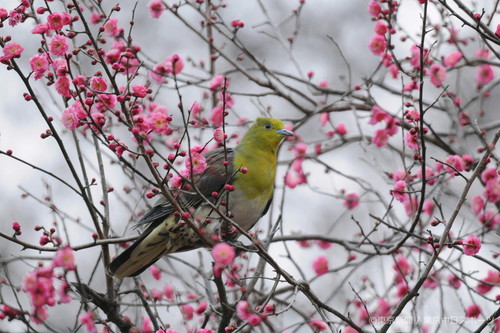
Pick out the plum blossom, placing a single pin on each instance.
(223, 254)
(411, 139)
(111, 27)
(485, 285)
(351, 200)
(471, 245)
(156, 8)
(452, 59)
(11, 50)
(473, 311)
(438, 75)
(320, 265)
(197, 162)
(374, 8)
(39, 64)
(216, 117)
(65, 258)
(484, 74)
(398, 191)
(98, 83)
(318, 325)
(87, 320)
(477, 204)
(377, 44)
(58, 45)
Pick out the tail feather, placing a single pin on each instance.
(157, 240)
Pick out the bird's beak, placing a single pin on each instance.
(285, 132)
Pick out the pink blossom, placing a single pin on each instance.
(492, 190)
(380, 137)
(219, 135)
(155, 272)
(410, 205)
(60, 66)
(489, 174)
(398, 191)
(156, 8)
(377, 44)
(399, 174)
(438, 75)
(351, 200)
(484, 74)
(454, 164)
(471, 245)
(197, 162)
(254, 319)
(14, 18)
(168, 291)
(70, 119)
(452, 59)
(12, 50)
(98, 83)
(3, 13)
(432, 281)
(187, 311)
(383, 308)
(381, 28)
(146, 326)
(39, 64)
(216, 117)
(62, 86)
(320, 265)
(159, 73)
(324, 118)
(377, 115)
(111, 27)
(394, 70)
(201, 307)
(324, 244)
(428, 207)
(175, 63)
(55, 21)
(477, 204)
(340, 129)
(62, 292)
(237, 24)
(223, 254)
(58, 45)
(40, 29)
(482, 53)
(65, 258)
(196, 109)
(473, 311)
(140, 90)
(87, 320)
(497, 32)
(293, 179)
(454, 281)
(410, 86)
(412, 115)
(430, 176)
(489, 219)
(323, 84)
(411, 140)
(243, 310)
(374, 8)
(485, 285)
(216, 82)
(318, 325)
(159, 122)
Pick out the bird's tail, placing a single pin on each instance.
(157, 240)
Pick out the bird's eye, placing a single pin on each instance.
(268, 126)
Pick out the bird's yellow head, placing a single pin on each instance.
(266, 132)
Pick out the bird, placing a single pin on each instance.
(249, 169)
